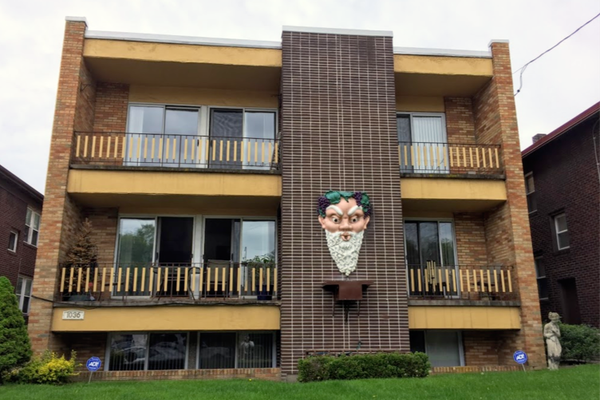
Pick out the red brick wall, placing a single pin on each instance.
(13, 210)
(566, 179)
(470, 239)
(61, 217)
(111, 107)
(481, 348)
(460, 126)
(507, 227)
(104, 223)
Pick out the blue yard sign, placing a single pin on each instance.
(520, 357)
(93, 364)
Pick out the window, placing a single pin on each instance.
(250, 134)
(147, 351)
(161, 135)
(23, 292)
(220, 350)
(542, 281)
(444, 348)
(13, 237)
(561, 231)
(423, 143)
(32, 227)
(530, 191)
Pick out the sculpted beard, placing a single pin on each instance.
(345, 253)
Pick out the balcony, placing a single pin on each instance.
(450, 159)
(216, 281)
(463, 282)
(152, 151)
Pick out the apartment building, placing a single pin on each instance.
(20, 208)
(200, 164)
(562, 182)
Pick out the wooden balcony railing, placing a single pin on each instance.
(213, 279)
(472, 282)
(176, 151)
(449, 158)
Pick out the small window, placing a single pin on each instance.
(32, 227)
(23, 292)
(13, 237)
(542, 281)
(561, 231)
(530, 191)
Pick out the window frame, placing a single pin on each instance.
(530, 193)
(30, 226)
(537, 261)
(555, 219)
(15, 241)
(21, 292)
(147, 349)
(412, 115)
(238, 334)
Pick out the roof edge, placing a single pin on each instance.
(173, 39)
(21, 183)
(419, 51)
(337, 31)
(581, 117)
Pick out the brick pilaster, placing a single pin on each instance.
(507, 227)
(61, 216)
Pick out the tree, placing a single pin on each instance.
(83, 253)
(15, 348)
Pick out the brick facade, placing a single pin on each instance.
(566, 180)
(507, 227)
(460, 125)
(15, 197)
(61, 217)
(471, 246)
(339, 133)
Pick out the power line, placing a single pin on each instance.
(524, 67)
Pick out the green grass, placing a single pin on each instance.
(581, 383)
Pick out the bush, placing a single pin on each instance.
(579, 342)
(15, 349)
(363, 366)
(48, 369)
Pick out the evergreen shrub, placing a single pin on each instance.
(363, 366)
(579, 342)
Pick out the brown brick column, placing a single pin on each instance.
(339, 133)
(61, 217)
(507, 227)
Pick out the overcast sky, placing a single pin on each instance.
(556, 87)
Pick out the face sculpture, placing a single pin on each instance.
(344, 216)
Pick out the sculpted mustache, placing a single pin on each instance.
(349, 233)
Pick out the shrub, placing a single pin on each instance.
(15, 348)
(363, 366)
(579, 342)
(49, 369)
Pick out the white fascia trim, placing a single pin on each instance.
(357, 32)
(442, 52)
(497, 41)
(145, 37)
(76, 19)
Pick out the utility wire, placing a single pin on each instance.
(524, 67)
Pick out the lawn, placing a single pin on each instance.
(579, 383)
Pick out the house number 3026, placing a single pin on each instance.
(73, 314)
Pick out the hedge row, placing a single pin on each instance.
(363, 366)
(580, 342)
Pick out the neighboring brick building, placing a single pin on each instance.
(20, 208)
(563, 187)
(199, 163)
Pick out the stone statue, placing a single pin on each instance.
(552, 336)
(344, 216)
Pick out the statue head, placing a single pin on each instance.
(344, 216)
(554, 317)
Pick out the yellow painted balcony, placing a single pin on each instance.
(448, 159)
(212, 280)
(175, 151)
(461, 282)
